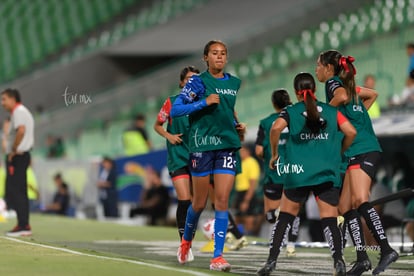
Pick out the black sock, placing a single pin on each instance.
(375, 226)
(333, 237)
(280, 234)
(232, 228)
(294, 232)
(181, 215)
(353, 222)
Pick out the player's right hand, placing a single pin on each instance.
(213, 99)
(175, 139)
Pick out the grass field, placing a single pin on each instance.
(64, 246)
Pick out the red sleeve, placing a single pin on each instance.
(341, 118)
(164, 113)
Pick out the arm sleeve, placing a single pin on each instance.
(260, 136)
(165, 110)
(180, 108)
(341, 118)
(331, 86)
(190, 98)
(285, 116)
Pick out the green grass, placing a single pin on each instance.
(154, 246)
(23, 259)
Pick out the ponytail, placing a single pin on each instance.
(312, 113)
(347, 76)
(304, 85)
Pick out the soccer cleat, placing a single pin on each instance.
(267, 269)
(385, 261)
(20, 231)
(230, 238)
(219, 264)
(290, 250)
(340, 269)
(238, 244)
(359, 267)
(190, 256)
(184, 251)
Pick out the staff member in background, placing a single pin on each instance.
(20, 140)
(108, 195)
(374, 111)
(245, 203)
(61, 199)
(135, 139)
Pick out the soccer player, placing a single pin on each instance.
(309, 164)
(273, 183)
(209, 99)
(176, 136)
(338, 71)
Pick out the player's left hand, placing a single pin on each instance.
(175, 138)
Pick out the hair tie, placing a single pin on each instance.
(343, 61)
(306, 92)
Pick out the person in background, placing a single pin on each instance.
(410, 54)
(176, 136)
(108, 194)
(135, 139)
(407, 95)
(374, 111)
(155, 199)
(245, 201)
(56, 147)
(19, 143)
(32, 189)
(61, 199)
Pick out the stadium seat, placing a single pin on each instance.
(52, 25)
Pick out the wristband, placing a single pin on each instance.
(358, 89)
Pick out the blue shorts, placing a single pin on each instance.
(213, 162)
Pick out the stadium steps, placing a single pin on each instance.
(276, 65)
(34, 29)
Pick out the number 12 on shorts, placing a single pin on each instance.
(229, 162)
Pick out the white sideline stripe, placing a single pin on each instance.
(107, 258)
